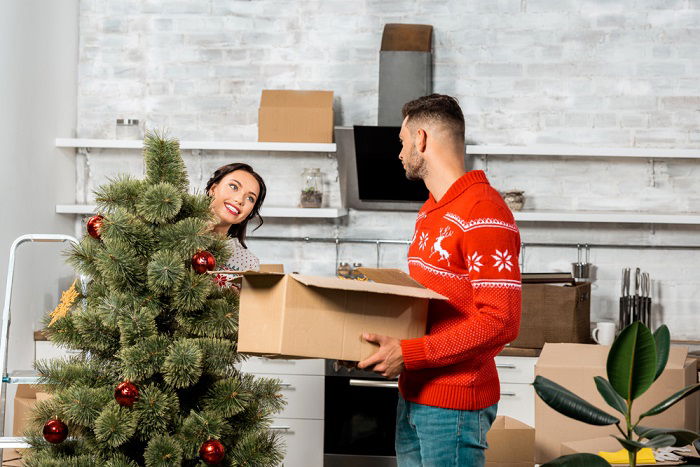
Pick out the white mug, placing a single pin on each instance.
(604, 333)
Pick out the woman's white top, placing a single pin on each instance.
(241, 259)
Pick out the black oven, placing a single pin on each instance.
(360, 418)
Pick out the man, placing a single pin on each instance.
(465, 247)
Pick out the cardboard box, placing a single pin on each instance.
(294, 315)
(607, 444)
(296, 116)
(574, 366)
(511, 444)
(26, 397)
(554, 313)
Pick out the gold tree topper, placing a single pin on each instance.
(68, 298)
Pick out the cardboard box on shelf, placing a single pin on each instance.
(294, 315)
(26, 397)
(574, 366)
(295, 116)
(607, 444)
(511, 444)
(554, 313)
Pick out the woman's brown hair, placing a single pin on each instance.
(239, 230)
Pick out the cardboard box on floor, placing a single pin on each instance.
(554, 313)
(511, 444)
(574, 366)
(295, 116)
(26, 397)
(607, 444)
(294, 315)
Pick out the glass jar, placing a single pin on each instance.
(311, 188)
(128, 128)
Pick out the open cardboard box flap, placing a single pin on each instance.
(285, 98)
(385, 281)
(590, 356)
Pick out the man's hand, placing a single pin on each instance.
(388, 360)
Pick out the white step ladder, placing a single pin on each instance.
(19, 377)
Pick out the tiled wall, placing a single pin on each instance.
(593, 73)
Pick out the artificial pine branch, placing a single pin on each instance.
(227, 397)
(123, 228)
(217, 319)
(137, 324)
(143, 359)
(163, 451)
(156, 410)
(196, 206)
(183, 364)
(186, 237)
(82, 257)
(165, 270)
(122, 191)
(198, 427)
(160, 203)
(163, 161)
(192, 291)
(82, 405)
(115, 425)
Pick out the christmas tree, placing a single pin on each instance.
(155, 382)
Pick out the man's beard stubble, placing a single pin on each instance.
(415, 166)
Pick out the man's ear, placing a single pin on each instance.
(421, 140)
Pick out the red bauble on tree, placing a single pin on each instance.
(126, 393)
(212, 451)
(55, 431)
(203, 261)
(94, 225)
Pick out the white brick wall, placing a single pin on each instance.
(594, 73)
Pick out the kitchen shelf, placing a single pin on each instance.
(581, 151)
(272, 212)
(198, 145)
(616, 217)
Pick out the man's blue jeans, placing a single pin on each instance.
(434, 437)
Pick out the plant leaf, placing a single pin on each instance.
(629, 444)
(613, 399)
(661, 441)
(631, 362)
(565, 402)
(683, 437)
(578, 460)
(665, 404)
(662, 338)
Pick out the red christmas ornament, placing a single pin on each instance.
(203, 261)
(212, 451)
(126, 393)
(94, 225)
(55, 431)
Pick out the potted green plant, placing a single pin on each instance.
(636, 359)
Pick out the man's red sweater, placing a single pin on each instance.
(466, 248)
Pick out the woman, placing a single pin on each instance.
(237, 193)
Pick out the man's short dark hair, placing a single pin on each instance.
(437, 108)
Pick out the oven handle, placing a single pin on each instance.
(281, 427)
(510, 366)
(374, 384)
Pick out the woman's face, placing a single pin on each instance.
(234, 197)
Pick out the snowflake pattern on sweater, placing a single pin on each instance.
(466, 248)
